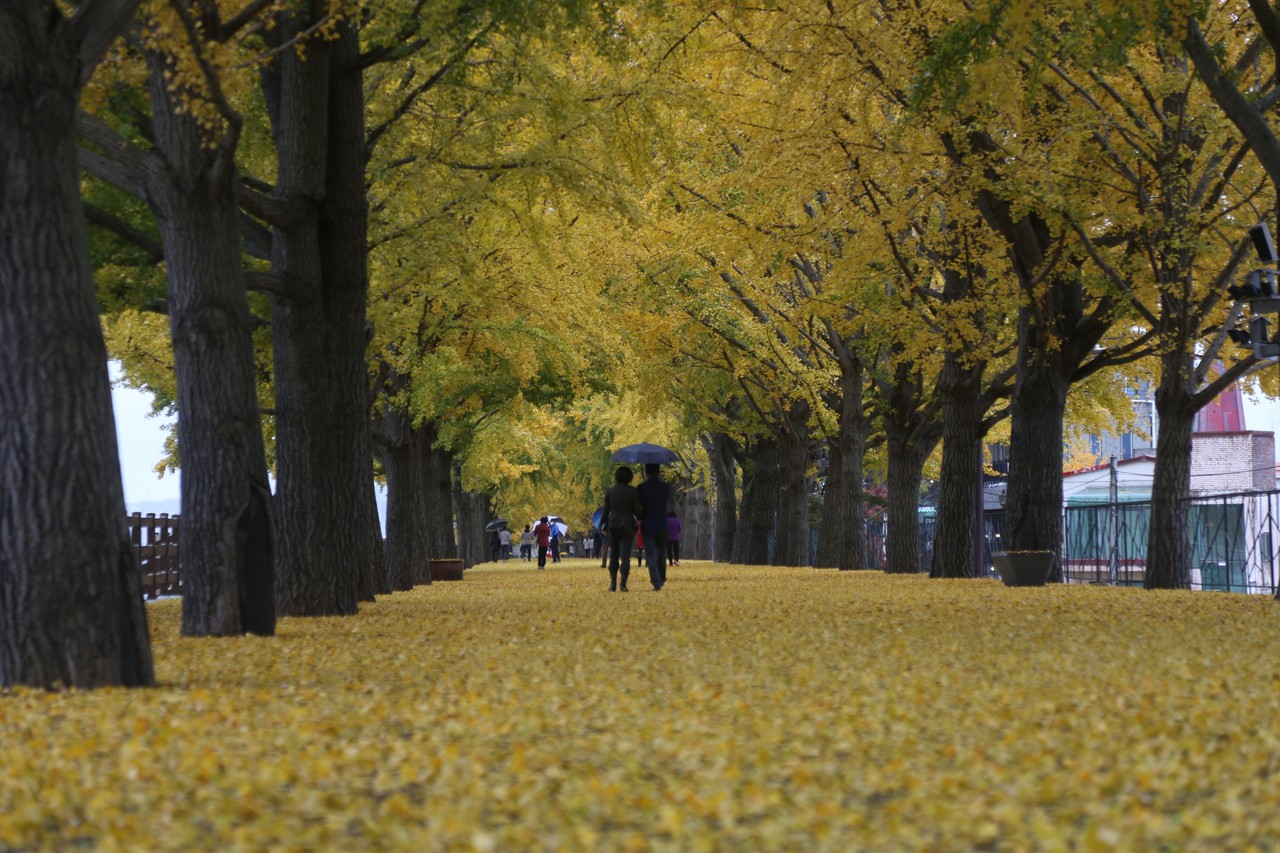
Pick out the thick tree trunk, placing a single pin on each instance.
(906, 471)
(697, 521)
(791, 543)
(228, 539)
(759, 503)
(318, 331)
(442, 541)
(408, 515)
(473, 513)
(344, 257)
(958, 516)
(1034, 504)
(71, 610)
(1168, 563)
(842, 541)
(724, 480)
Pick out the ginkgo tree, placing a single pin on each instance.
(71, 611)
(483, 315)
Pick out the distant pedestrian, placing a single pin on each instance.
(495, 546)
(504, 537)
(639, 548)
(673, 539)
(654, 497)
(621, 508)
(555, 542)
(526, 543)
(542, 535)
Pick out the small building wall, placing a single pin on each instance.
(1233, 462)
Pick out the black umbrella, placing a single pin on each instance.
(645, 454)
(496, 524)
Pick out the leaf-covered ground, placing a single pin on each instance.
(738, 709)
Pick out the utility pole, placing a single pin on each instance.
(1113, 522)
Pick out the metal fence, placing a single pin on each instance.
(1231, 541)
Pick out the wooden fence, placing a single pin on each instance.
(155, 541)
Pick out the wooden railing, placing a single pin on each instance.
(155, 540)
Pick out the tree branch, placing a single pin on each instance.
(96, 24)
(133, 236)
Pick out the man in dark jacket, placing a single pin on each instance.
(621, 509)
(654, 497)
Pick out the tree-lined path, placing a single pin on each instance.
(739, 708)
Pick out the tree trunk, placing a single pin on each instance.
(912, 428)
(228, 540)
(473, 513)
(697, 520)
(344, 256)
(842, 540)
(1034, 503)
(791, 544)
(958, 517)
(408, 515)
(906, 467)
(1168, 563)
(441, 539)
(759, 503)
(71, 610)
(724, 480)
(318, 332)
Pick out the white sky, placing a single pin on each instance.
(141, 442)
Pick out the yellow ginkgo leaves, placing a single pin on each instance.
(740, 708)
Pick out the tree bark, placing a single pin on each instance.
(842, 540)
(1034, 502)
(318, 330)
(71, 609)
(958, 517)
(1168, 562)
(697, 518)
(408, 515)
(344, 257)
(759, 503)
(724, 481)
(791, 542)
(473, 512)
(441, 539)
(228, 540)
(912, 429)
(906, 472)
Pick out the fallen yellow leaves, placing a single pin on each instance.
(740, 708)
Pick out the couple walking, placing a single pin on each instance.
(623, 504)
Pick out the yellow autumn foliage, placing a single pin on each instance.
(741, 708)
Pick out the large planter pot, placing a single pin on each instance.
(1023, 568)
(445, 570)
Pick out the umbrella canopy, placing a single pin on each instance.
(557, 523)
(496, 524)
(645, 454)
(597, 518)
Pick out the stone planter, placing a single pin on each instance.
(445, 570)
(1023, 568)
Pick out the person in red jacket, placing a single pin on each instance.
(542, 536)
